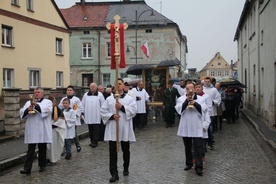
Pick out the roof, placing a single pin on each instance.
(86, 16)
(212, 60)
(98, 14)
(247, 6)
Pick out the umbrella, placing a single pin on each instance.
(137, 69)
(169, 62)
(230, 82)
(133, 82)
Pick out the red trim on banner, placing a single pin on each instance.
(122, 47)
(112, 46)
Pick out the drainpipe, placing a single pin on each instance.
(99, 57)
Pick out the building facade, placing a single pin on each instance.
(256, 42)
(217, 67)
(34, 45)
(90, 39)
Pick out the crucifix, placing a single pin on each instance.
(118, 28)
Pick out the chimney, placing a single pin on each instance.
(82, 1)
(126, 0)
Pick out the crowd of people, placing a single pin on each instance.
(201, 107)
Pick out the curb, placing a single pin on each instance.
(270, 143)
(20, 159)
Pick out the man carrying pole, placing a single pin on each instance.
(119, 109)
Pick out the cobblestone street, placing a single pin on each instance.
(158, 157)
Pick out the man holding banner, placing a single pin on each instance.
(127, 108)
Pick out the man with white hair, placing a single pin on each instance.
(92, 102)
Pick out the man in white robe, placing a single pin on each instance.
(216, 100)
(140, 120)
(127, 110)
(181, 87)
(38, 129)
(191, 126)
(92, 102)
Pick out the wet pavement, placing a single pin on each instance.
(158, 157)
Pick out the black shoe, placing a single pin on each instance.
(68, 157)
(25, 172)
(125, 173)
(114, 178)
(42, 169)
(199, 171)
(78, 148)
(188, 167)
(94, 145)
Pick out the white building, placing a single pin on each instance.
(256, 40)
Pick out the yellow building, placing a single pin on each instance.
(34, 45)
(217, 67)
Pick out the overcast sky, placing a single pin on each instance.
(209, 25)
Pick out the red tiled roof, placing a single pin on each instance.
(96, 15)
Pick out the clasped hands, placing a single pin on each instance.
(118, 106)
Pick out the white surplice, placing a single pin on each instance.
(191, 121)
(215, 99)
(108, 109)
(38, 127)
(181, 91)
(74, 101)
(54, 150)
(70, 118)
(91, 106)
(141, 104)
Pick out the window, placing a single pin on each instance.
(87, 79)
(34, 78)
(212, 74)
(8, 78)
(7, 39)
(108, 49)
(219, 73)
(148, 30)
(123, 75)
(59, 79)
(86, 51)
(86, 32)
(30, 5)
(59, 46)
(106, 79)
(219, 63)
(226, 73)
(15, 2)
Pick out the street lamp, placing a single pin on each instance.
(136, 27)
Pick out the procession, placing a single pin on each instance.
(116, 103)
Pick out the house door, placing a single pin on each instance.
(87, 79)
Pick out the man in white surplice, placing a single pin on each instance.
(38, 129)
(92, 102)
(190, 107)
(127, 109)
(142, 97)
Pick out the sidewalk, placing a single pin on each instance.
(267, 133)
(13, 151)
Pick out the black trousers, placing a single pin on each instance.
(197, 151)
(94, 133)
(169, 115)
(31, 154)
(113, 157)
(139, 121)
